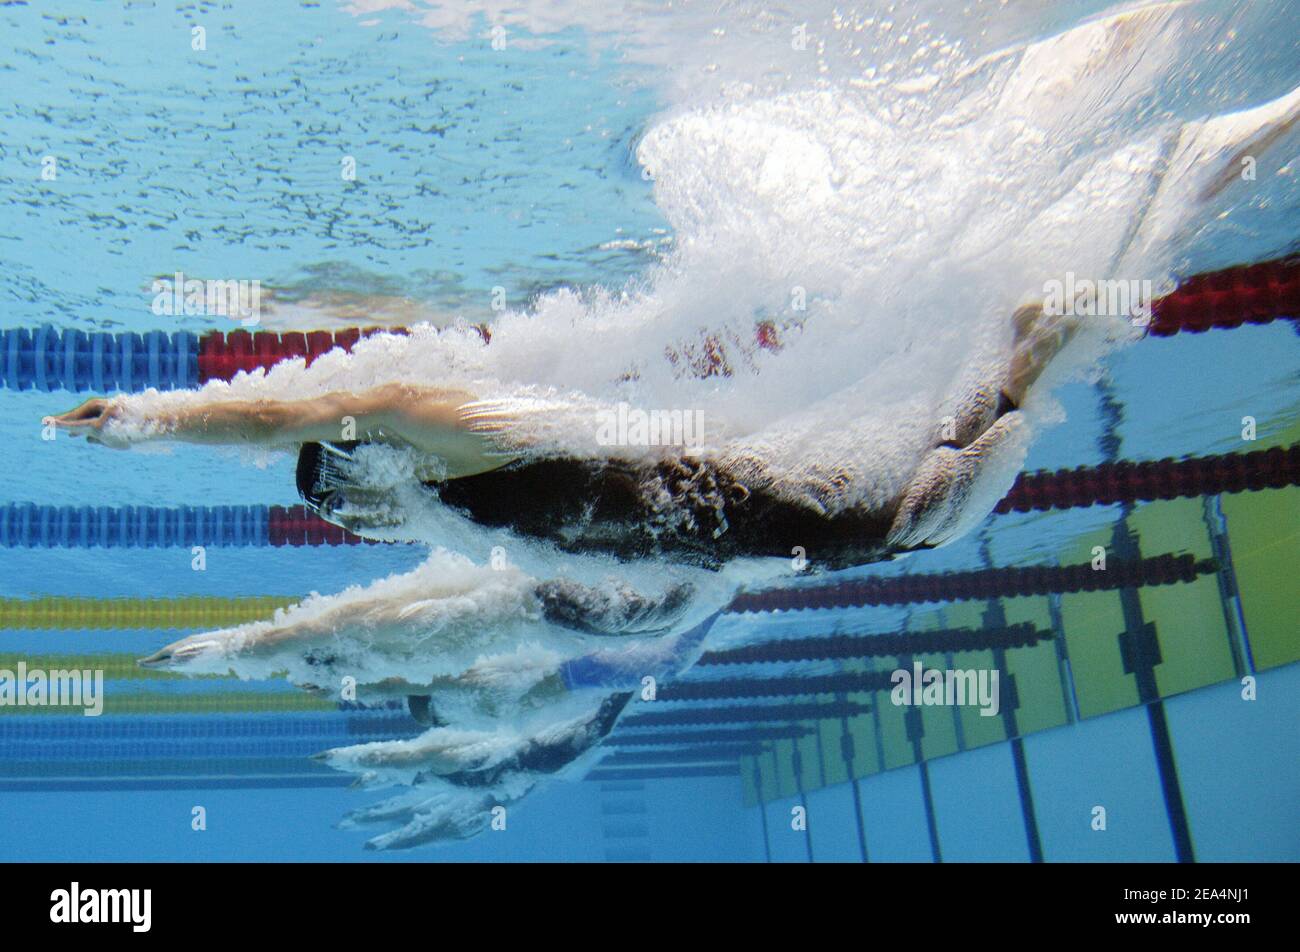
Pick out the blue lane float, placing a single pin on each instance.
(34, 525)
(42, 526)
(49, 359)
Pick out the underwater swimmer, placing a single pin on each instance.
(702, 510)
(504, 701)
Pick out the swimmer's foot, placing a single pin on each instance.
(611, 609)
(954, 489)
(1039, 337)
(963, 478)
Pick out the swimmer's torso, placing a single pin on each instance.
(689, 510)
(683, 510)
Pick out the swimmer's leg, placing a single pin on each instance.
(614, 609)
(963, 477)
(1225, 145)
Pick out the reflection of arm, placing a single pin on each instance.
(303, 622)
(298, 626)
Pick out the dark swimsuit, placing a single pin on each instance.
(684, 510)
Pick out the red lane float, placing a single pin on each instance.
(1247, 294)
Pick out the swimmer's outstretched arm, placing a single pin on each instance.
(428, 418)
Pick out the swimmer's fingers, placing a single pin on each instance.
(193, 654)
(89, 413)
(489, 417)
(926, 501)
(507, 426)
(487, 412)
(89, 419)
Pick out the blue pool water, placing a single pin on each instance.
(526, 168)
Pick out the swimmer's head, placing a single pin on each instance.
(321, 471)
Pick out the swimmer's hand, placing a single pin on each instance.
(89, 420)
